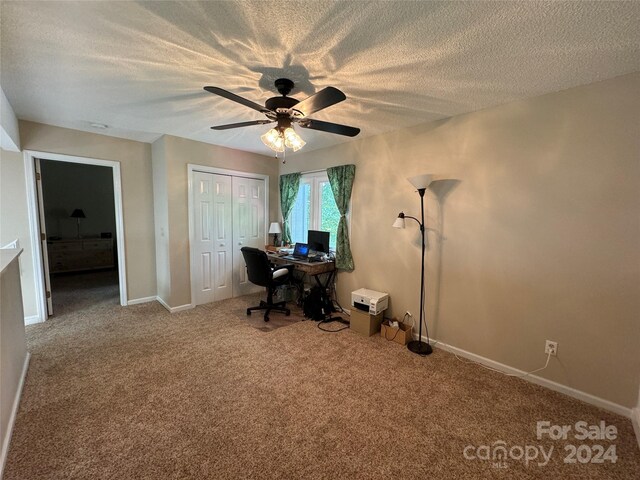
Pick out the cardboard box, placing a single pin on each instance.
(364, 323)
(401, 335)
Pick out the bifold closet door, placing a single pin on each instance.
(213, 248)
(248, 228)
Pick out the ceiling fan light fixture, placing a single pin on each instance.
(279, 145)
(293, 140)
(286, 110)
(273, 140)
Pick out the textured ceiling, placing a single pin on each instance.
(139, 67)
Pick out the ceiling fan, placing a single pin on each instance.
(285, 111)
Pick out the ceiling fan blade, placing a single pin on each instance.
(322, 99)
(236, 98)
(241, 124)
(329, 127)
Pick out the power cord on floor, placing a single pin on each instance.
(333, 296)
(503, 373)
(331, 320)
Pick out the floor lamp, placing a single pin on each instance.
(421, 182)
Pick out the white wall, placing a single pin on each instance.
(14, 223)
(533, 236)
(67, 186)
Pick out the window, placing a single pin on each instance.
(315, 209)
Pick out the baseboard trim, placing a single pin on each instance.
(177, 309)
(635, 420)
(558, 387)
(137, 301)
(14, 412)
(33, 319)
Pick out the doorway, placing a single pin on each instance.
(227, 211)
(76, 224)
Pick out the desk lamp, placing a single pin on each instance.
(274, 229)
(421, 182)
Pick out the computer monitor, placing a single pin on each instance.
(318, 241)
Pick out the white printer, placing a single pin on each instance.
(370, 301)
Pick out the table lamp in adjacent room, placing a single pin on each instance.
(274, 229)
(78, 214)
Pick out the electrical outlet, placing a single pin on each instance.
(551, 348)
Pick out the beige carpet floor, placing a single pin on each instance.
(74, 292)
(138, 393)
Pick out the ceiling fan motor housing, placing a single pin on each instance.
(284, 86)
(275, 103)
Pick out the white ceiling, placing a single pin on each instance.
(139, 67)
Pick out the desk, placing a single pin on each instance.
(310, 268)
(314, 269)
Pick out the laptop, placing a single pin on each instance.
(300, 252)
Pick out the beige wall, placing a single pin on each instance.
(13, 348)
(14, 222)
(534, 236)
(175, 154)
(161, 219)
(137, 191)
(9, 129)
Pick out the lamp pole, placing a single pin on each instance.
(418, 346)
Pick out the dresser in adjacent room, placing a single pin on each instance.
(74, 255)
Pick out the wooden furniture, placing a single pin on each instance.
(310, 268)
(274, 248)
(74, 255)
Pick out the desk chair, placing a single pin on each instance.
(261, 272)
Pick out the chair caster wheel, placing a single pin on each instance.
(248, 312)
(287, 313)
(266, 319)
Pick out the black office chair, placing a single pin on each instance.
(261, 272)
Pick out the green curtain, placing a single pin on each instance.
(341, 180)
(289, 185)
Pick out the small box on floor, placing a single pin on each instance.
(364, 323)
(400, 334)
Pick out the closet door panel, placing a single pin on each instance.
(249, 228)
(203, 237)
(228, 214)
(223, 229)
(212, 237)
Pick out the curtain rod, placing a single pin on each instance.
(314, 171)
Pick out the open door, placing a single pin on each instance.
(43, 238)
